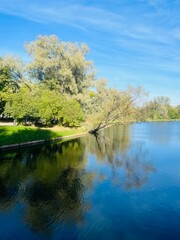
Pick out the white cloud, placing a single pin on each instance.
(135, 37)
(88, 18)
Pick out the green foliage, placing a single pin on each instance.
(10, 76)
(5, 77)
(109, 105)
(58, 86)
(48, 104)
(159, 109)
(21, 105)
(71, 113)
(60, 65)
(172, 113)
(44, 105)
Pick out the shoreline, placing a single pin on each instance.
(76, 135)
(31, 143)
(163, 120)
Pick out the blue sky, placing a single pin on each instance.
(133, 42)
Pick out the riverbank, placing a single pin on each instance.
(15, 136)
(162, 120)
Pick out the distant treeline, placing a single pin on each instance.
(159, 109)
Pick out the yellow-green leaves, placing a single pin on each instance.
(60, 65)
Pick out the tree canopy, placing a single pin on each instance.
(60, 65)
(58, 86)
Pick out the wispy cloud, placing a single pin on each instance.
(87, 18)
(140, 34)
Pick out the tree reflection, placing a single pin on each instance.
(51, 181)
(130, 165)
(61, 201)
(135, 167)
(108, 143)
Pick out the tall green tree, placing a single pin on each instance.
(60, 65)
(11, 74)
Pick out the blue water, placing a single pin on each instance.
(123, 184)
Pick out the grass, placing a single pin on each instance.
(20, 134)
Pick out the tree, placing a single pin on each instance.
(60, 65)
(39, 103)
(158, 108)
(11, 73)
(21, 106)
(58, 108)
(178, 111)
(71, 113)
(59, 86)
(110, 105)
(172, 112)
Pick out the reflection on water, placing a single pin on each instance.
(83, 188)
(112, 146)
(50, 181)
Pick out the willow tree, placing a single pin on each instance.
(60, 65)
(109, 106)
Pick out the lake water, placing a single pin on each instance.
(124, 184)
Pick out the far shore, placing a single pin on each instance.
(163, 120)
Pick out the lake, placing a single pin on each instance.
(122, 184)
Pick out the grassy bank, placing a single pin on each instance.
(20, 134)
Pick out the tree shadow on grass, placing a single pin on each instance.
(13, 135)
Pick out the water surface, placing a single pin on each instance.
(123, 184)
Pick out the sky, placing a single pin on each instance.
(131, 42)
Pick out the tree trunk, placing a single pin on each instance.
(96, 130)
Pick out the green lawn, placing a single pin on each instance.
(19, 134)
